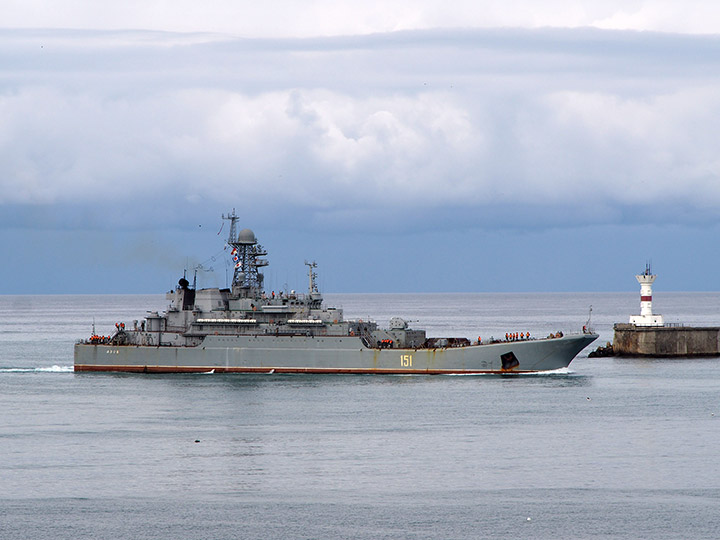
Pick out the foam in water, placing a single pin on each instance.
(51, 369)
(559, 371)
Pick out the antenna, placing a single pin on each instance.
(232, 218)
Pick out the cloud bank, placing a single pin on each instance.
(490, 128)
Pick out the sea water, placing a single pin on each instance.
(611, 447)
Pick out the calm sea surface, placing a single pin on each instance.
(614, 447)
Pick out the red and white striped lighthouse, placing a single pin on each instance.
(646, 317)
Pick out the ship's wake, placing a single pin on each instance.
(552, 372)
(50, 369)
(559, 371)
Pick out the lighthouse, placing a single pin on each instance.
(646, 317)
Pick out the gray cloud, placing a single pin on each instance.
(496, 127)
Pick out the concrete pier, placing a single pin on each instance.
(666, 341)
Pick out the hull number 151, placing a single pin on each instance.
(406, 360)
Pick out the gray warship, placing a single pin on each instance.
(242, 329)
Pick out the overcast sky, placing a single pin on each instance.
(406, 146)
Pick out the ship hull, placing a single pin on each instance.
(301, 354)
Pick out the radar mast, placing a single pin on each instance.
(313, 292)
(312, 276)
(246, 253)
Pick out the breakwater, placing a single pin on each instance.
(667, 341)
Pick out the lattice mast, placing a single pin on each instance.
(246, 252)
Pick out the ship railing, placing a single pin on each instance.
(284, 295)
(226, 321)
(306, 322)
